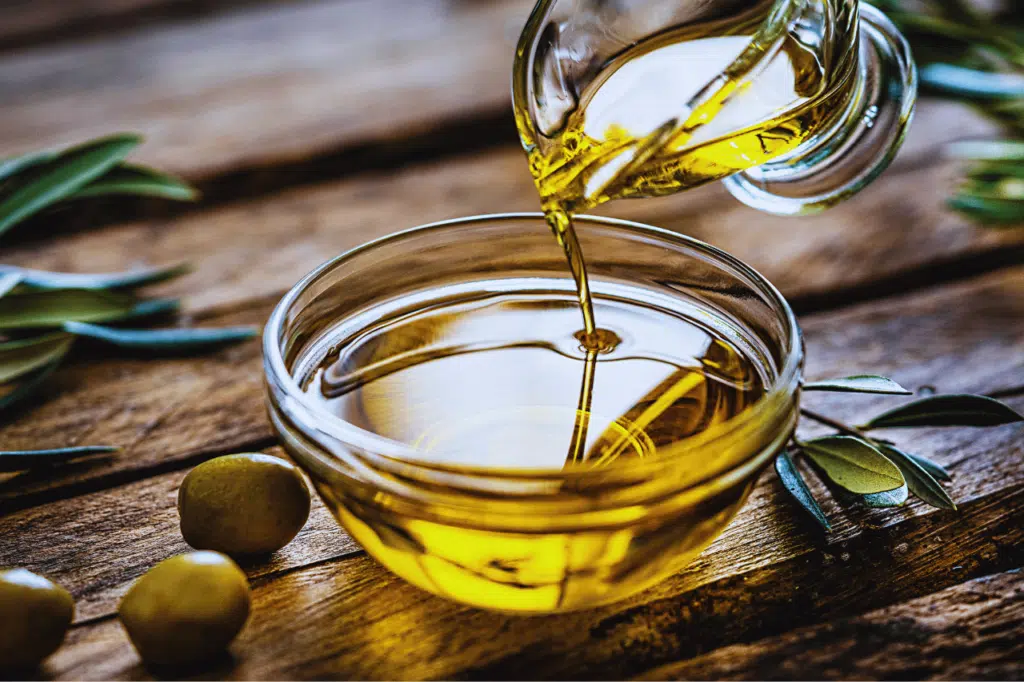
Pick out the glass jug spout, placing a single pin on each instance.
(797, 104)
(858, 147)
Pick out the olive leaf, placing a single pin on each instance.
(51, 308)
(956, 80)
(996, 171)
(65, 175)
(990, 209)
(13, 394)
(21, 460)
(10, 167)
(150, 308)
(921, 482)
(889, 498)
(23, 356)
(987, 150)
(860, 383)
(854, 464)
(162, 339)
(936, 470)
(41, 279)
(794, 483)
(944, 410)
(974, 54)
(138, 180)
(8, 280)
(35, 304)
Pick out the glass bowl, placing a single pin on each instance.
(532, 540)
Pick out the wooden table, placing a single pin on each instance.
(315, 126)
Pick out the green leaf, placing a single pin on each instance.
(12, 166)
(889, 498)
(41, 279)
(1000, 188)
(854, 464)
(794, 483)
(52, 308)
(958, 80)
(138, 180)
(921, 483)
(65, 175)
(997, 170)
(946, 410)
(935, 469)
(987, 209)
(21, 460)
(18, 358)
(987, 150)
(27, 387)
(151, 307)
(162, 339)
(8, 280)
(860, 383)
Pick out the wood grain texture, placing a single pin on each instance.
(262, 247)
(34, 17)
(968, 632)
(300, 93)
(30, 22)
(352, 619)
(268, 84)
(171, 413)
(928, 326)
(96, 545)
(275, 83)
(159, 410)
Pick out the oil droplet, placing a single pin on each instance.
(600, 340)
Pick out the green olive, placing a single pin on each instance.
(186, 609)
(34, 616)
(243, 504)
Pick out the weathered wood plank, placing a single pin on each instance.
(169, 413)
(984, 461)
(28, 22)
(355, 620)
(97, 545)
(969, 631)
(159, 410)
(268, 84)
(260, 248)
(275, 83)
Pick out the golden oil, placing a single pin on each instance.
(635, 133)
(639, 128)
(493, 380)
(473, 376)
(504, 376)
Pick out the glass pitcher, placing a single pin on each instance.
(797, 104)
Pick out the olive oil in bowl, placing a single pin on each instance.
(439, 388)
(489, 374)
(500, 433)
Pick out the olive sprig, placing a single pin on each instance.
(43, 315)
(975, 57)
(875, 469)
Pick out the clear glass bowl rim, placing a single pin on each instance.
(391, 455)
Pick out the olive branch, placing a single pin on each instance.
(975, 57)
(875, 469)
(43, 315)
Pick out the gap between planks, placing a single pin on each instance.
(931, 326)
(456, 138)
(45, 22)
(356, 620)
(445, 68)
(968, 631)
(167, 429)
